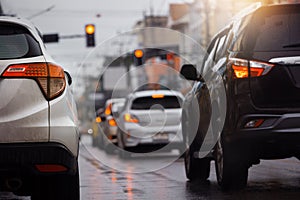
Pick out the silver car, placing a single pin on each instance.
(150, 120)
(107, 135)
(38, 118)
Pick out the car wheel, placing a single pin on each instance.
(231, 172)
(122, 151)
(196, 169)
(109, 148)
(124, 154)
(94, 141)
(100, 141)
(59, 187)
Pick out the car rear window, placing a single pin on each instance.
(274, 29)
(146, 103)
(17, 42)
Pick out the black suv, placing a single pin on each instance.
(246, 96)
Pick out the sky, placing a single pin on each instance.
(69, 17)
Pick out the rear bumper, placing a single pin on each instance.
(278, 137)
(22, 157)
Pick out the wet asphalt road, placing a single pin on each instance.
(161, 177)
(270, 180)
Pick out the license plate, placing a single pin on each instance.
(161, 136)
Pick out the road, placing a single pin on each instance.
(162, 177)
(278, 179)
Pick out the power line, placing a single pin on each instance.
(41, 12)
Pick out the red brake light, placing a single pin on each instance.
(51, 168)
(50, 77)
(241, 68)
(158, 96)
(98, 119)
(108, 109)
(112, 122)
(130, 118)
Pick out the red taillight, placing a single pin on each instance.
(130, 118)
(50, 77)
(158, 96)
(112, 122)
(241, 68)
(108, 109)
(51, 168)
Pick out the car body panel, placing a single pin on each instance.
(23, 114)
(64, 125)
(28, 120)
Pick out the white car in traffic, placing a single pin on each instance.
(150, 120)
(39, 137)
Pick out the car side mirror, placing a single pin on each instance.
(70, 81)
(189, 72)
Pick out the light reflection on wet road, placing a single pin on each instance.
(270, 180)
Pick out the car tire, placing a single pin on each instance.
(94, 141)
(59, 187)
(110, 148)
(100, 141)
(196, 169)
(232, 172)
(123, 154)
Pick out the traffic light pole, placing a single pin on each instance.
(71, 36)
(89, 35)
(51, 38)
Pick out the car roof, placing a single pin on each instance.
(19, 21)
(114, 100)
(147, 93)
(28, 25)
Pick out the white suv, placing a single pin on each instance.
(151, 119)
(38, 118)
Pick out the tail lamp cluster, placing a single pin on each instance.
(50, 77)
(247, 68)
(130, 118)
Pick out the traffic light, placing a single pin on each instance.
(90, 35)
(138, 57)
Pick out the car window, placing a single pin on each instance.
(17, 42)
(146, 103)
(210, 58)
(221, 47)
(280, 25)
(237, 33)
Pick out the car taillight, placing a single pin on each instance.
(51, 168)
(130, 118)
(50, 77)
(241, 68)
(112, 122)
(108, 109)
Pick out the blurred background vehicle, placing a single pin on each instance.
(150, 120)
(107, 133)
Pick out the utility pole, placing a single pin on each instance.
(1, 10)
(207, 20)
